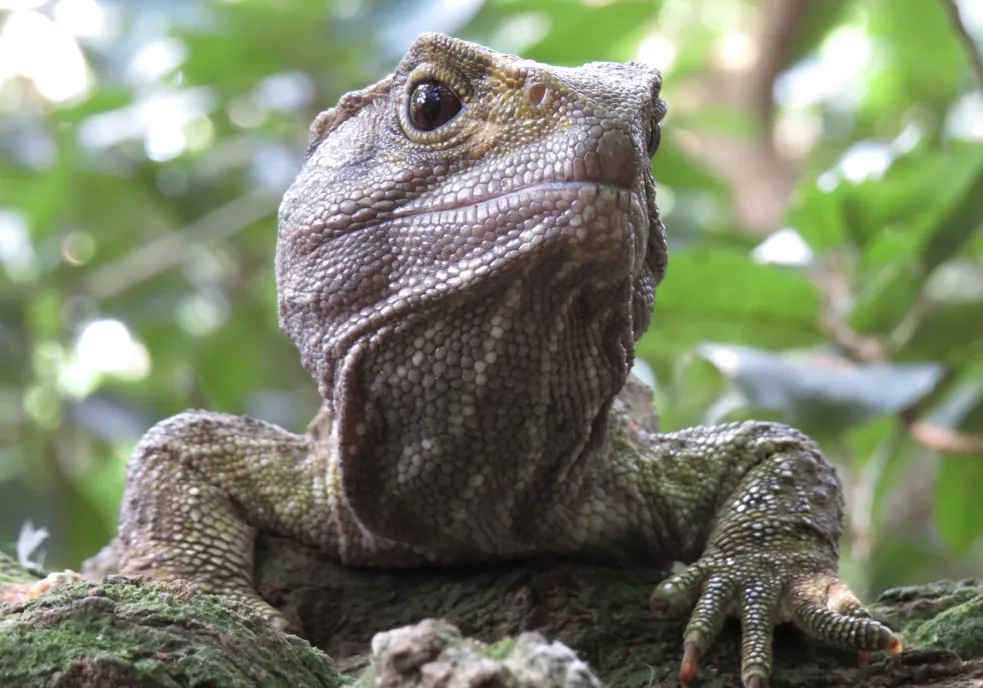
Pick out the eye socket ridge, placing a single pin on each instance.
(431, 105)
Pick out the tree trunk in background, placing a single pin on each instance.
(126, 632)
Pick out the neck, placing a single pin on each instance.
(508, 392)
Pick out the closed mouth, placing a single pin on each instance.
(480, 200)
(548, 187)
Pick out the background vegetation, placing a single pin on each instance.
(821, 175)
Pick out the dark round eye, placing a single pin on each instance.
(432, 105)
(655, 137)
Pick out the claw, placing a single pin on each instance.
(757, 681)
(863, 658)
(13, 593)
(691, 656)
(659, 605)
(53, 580)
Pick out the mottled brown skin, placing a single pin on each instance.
(467, 295)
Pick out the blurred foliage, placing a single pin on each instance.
(145, 145)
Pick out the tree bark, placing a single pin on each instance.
(132, 632)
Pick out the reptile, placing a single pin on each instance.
(465, 262)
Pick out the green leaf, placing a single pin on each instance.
(689, 386)
(676, 169)
(723, 295)
(610, 29)
(934, 71)
(905, 79)
(223, 54)
(892, 245)
(947, 333)
(900, 257)
(957, 501)
(887, 298)
(962, 220)
(717, 119)
(960, 481)
(818, 18)
(817, 216)
(924, 192)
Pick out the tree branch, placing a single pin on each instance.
(175, 248)
(969, 45)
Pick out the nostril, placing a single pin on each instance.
(618, 158)
(535, 93)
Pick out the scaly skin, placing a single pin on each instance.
(467, 295)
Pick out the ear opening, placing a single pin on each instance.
(348, 106)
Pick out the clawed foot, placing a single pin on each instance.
(230, 583)
(763, 590)
(11, 593)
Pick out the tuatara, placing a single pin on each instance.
(465, 262)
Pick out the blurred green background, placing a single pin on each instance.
(821, 177)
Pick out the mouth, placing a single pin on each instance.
(602, 196)
(517, 215)
(507, 199)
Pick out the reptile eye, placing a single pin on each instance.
(654, 138)
(432, 105)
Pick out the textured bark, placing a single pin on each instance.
(123, 632)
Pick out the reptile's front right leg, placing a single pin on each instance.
(200, 484)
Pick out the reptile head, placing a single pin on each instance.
(474, 234)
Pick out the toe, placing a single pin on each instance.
(756, 681)
(759, 612)
(705, 623)
(825, 607)
(858, 633)
(710, 612)
(691, 658)
(266, 610)
(676, 594)
(53, 580)
(840, 599)
(12, 593)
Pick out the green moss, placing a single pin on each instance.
(129, 632)
(959, 629)
(367, 679)
(501, 649)
(12, 572)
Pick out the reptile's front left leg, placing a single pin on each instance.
(200, 484)
(760, 511)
